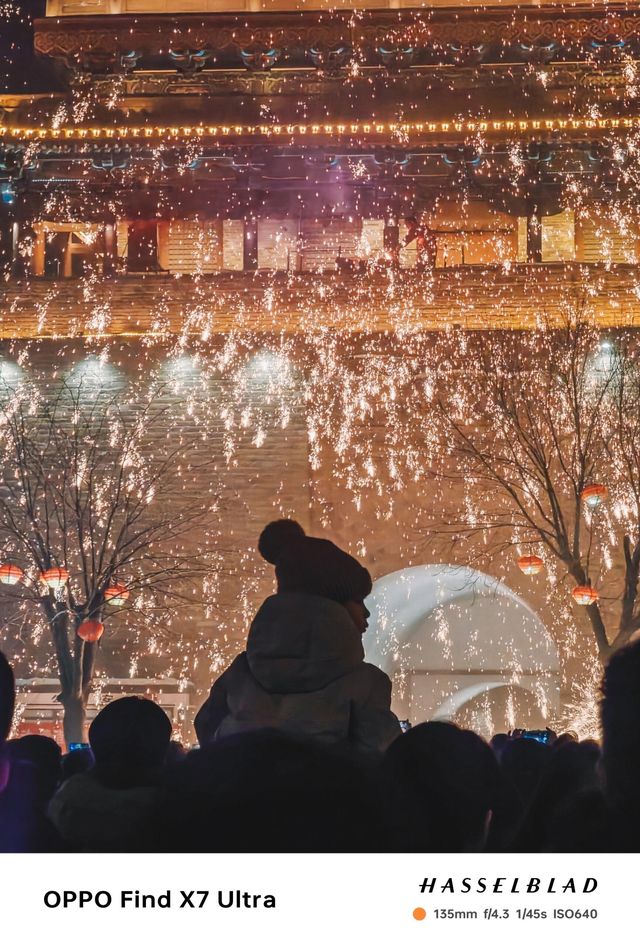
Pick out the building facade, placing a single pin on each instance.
(194, 138)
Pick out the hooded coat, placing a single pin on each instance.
(302, 673)
(94, 818)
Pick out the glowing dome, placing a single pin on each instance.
(450, 636)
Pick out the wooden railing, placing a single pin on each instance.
(476, 297)
(122, 7)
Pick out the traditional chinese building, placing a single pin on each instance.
(199, 137)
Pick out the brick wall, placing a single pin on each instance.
(255, 438)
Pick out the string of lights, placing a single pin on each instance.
(416, 129)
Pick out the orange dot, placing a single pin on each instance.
(419, 914)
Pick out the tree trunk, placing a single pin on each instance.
(74, 718)
(75, 667)
(599, 632)
(593, 613)
(628, 620)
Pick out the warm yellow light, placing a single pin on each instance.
(417, 128)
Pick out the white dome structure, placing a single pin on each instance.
(450, 636)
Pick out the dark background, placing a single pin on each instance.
(20, 69)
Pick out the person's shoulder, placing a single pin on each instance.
(373, 670)
(76, 787)
(237, 664)
(373, 675)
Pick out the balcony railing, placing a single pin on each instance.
(477, 297)
(123, 7)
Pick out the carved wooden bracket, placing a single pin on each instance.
(437, 36)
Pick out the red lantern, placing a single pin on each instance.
(55, 578)
(594, 494)
(585, 595)
(116, 594)
(90, 631)
(530, 564)
(10, 573)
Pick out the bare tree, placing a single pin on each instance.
(531, 421)
(108, 489)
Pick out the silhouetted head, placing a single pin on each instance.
(316, 566)
(264, 791)
(570, 771)
(76, 762)
(571, 768)
(565, 738)
(620, 711)
(7, 701)
(7, 698)
(44, 754)
(276, 535)
(449, 780)
(130, 733)
(499, 742)
(523, 761)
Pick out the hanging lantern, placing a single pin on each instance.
(530, 564)
(10, 573)
(116, 594)
(90, 631)
(594, 494)
(55, 578)
(585, 595)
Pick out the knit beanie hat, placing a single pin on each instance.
(312, 565)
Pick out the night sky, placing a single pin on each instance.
(20, 70)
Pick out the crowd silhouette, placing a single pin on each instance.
(299, 751)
